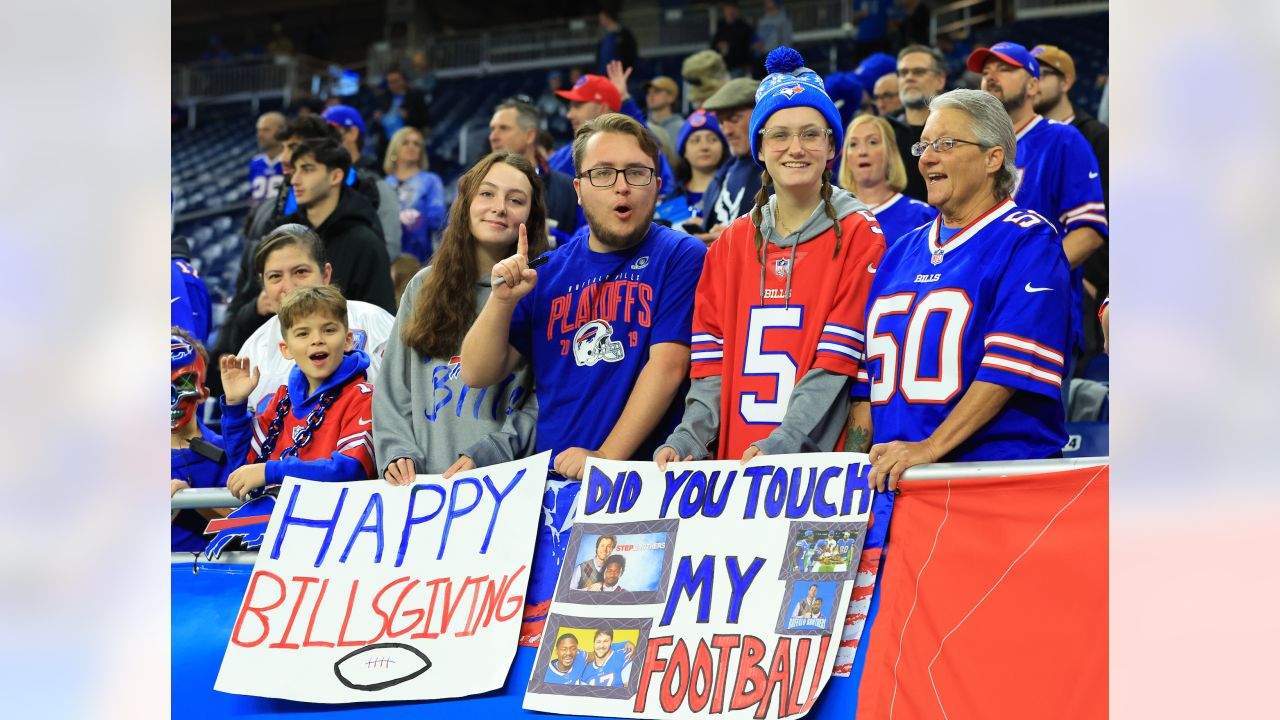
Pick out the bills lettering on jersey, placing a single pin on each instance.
(450, 395)
(926, 346)
(762, 338)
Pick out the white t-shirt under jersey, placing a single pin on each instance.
(370, 324)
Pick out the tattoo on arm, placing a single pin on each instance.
(858, 439)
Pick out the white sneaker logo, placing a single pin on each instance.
(1093, 175)
(1030, 289)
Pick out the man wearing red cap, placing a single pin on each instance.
(1058, 175)
(1057, 77)
(593, 96)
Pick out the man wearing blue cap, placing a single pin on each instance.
(1058, 175)
(386, 203)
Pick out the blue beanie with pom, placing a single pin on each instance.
(791, 84)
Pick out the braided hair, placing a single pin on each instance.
(762, 198)
(830, 208)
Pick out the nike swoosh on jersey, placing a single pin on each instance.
(871, 268)
(1093, 175)
(362, 422)
(1028, 288)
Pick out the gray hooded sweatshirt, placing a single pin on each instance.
(423, 411)
(819, 405)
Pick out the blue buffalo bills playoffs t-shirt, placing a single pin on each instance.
(588, 325)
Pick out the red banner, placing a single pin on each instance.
(993, 601)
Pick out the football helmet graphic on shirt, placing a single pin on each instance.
(594, 342)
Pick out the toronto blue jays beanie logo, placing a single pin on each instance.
(791, 84)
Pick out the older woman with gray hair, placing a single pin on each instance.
(968, 316)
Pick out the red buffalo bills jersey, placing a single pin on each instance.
(993, 306)
(762, 346)
(341, 446)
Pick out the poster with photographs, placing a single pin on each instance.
(710, 588)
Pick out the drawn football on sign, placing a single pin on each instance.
(375, 667)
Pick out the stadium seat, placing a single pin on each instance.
(1087, 439)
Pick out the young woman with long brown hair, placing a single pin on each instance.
(425, 419)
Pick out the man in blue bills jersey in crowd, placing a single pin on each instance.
(1058, 175)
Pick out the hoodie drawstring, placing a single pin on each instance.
(791, 266)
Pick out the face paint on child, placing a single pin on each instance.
(186, 380)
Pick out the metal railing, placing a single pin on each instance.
(208, 83)
(197, 498)
(962, 15)
(1033, 9)
(671, 32)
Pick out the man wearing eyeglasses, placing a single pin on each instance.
(605, 324)
(885, 95)
(922, 76)
(1058, 175)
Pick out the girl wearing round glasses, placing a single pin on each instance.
(778, 315)
(426, 419)
(967, 331)
(873, 171)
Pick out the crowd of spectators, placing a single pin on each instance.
(674, 237)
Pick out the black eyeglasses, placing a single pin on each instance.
(603, 177)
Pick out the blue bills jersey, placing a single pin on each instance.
(265, 177)
(1058, 178)
(900, 215)
(571, 677)
(992, 303)
(614, 673)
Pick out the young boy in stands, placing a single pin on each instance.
(318, 426)
(196, 459)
